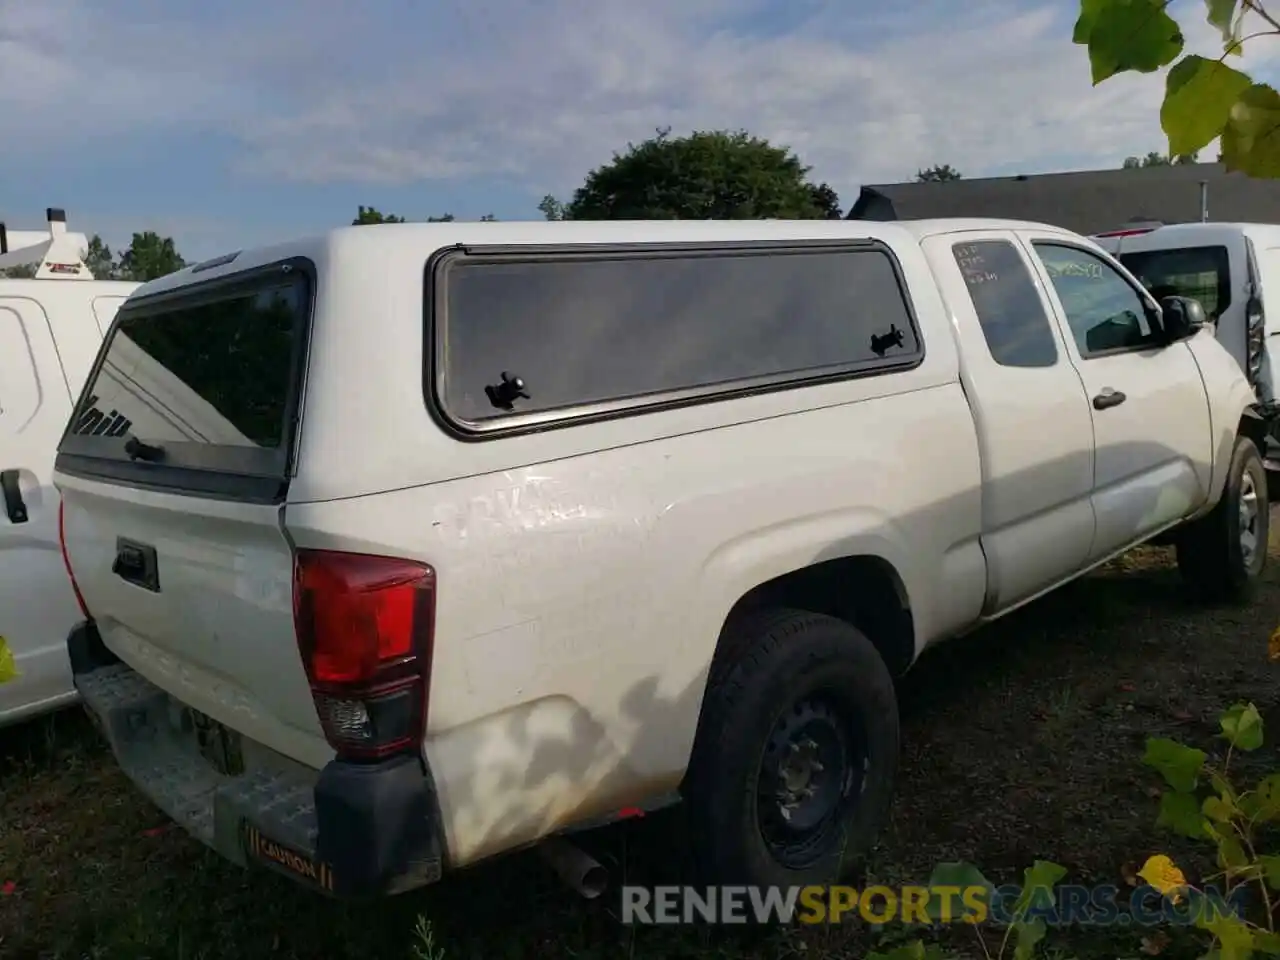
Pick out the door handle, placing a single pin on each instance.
(14, 506)
(1108, 398)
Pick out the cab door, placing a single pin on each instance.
(1153, 447)
(1035, 433)
(37, 604)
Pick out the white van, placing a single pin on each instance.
(1233, 269)
(51, 326)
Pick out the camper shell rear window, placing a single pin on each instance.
(197, 391)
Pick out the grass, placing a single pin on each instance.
(1021, 741)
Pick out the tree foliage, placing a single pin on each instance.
(374, 215)
(1205, 99)
(149, 256)
(940, 173)
(715, 175)
(1156, 159)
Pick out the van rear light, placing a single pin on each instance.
(66, 559)
(364, 626)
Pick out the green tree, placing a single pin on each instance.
(1205, 99)
(443, 218)
(488, 218)
(942, 173)
(373, 215)
(1155, 159)
(23, 271)
(149, 256)
(552, 209)
(716, 175)
(100, 260)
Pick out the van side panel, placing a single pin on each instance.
(585, 574)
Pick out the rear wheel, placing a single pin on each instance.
(796, 753)
(1222, 555)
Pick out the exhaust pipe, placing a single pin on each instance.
(575, 867)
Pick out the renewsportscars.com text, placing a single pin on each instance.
(1067, 905)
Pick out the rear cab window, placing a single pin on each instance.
(197, 391)
(586, 332)
(1202, 273)
(1007, 302)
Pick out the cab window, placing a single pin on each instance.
(1105, 312)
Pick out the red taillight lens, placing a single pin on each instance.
(66, 559)
(364, 626)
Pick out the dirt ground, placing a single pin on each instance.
(1021, 741)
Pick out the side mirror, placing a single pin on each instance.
(1182, 317)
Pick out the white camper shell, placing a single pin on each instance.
(51, 326)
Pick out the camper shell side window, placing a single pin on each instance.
(544, 337)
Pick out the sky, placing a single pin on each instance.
(241, 122)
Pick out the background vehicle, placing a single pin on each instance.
(1233, 269)
(50, 330)
(512, 528)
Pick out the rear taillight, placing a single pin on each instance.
(364, 626)
(1255, 329)
(66, 559)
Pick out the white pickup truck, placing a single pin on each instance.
(514, 528)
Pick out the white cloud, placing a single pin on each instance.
(542, 92)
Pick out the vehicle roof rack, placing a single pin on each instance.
(57, 254)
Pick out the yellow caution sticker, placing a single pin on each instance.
(8, 668)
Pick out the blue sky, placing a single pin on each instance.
(236, 123)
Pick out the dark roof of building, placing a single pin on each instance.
(1087, 202)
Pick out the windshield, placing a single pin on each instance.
(1199, 272)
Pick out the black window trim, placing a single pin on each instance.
(1153, 315)
(1225, 298)
(435, 329)
(221, 473)
(1021, 253)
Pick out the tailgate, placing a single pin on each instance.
(173, 472)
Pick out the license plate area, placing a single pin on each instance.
(219, 746)
(286, 859)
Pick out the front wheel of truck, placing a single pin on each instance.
(1222, 555)
(796, 752)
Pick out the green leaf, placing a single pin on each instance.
(1264, 941)
(1219, 809)
(958, 876)
(1180, 813)
(1198, 98)
(1231, 855)
(1038, 881)
(1263, 802)
(1132, 35)
(1221, 13)
(1026, 935)
(1088, 17)
(1251, 138)
(1180, 766)
(1234, 938)
(1242, 724)
(1270, 870)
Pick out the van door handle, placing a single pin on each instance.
(15, 507)
(1108, 398)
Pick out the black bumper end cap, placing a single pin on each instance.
(378, 826)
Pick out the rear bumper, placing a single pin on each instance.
(349, 830)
